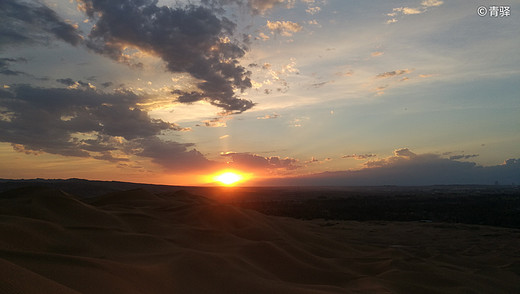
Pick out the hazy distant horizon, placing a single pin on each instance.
(278, 91)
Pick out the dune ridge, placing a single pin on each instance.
(139, 242)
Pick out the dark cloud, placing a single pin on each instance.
(66, 82)
(408, 168)
(84, 122)
(319, 85)
(190, 39)
(359, 156)
(394, 73)
(107, 84)
(254, 6)
(462, 156)
(173, 156)
(22, 22)
(404, 152)
(77, 84)
(4, 66)
(257, 162)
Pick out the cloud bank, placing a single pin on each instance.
(83, 122)
(250, 161)
(408, 168)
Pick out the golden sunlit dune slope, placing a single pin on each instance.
(137, 242)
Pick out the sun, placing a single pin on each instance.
(228, 178)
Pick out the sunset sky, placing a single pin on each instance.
(321, 92)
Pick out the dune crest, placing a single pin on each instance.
(140, 242)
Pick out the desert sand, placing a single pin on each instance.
(139, 242)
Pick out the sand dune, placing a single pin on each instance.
(137, 242)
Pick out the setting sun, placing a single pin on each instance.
(228, 178)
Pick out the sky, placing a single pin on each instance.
(286, 92)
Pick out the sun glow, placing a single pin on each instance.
(228, 178)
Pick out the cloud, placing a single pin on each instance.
(425, 5)
(263, 37)
(380, 90)
(66, 81)
(24, 22)
(315, 160)
(313, 10)
(269, 116)
(4, 66)
(21, 149)
(408, 168)
(359, 156)
(376, 53)
(83, 122)
(173, 156)
(284, 28)
(345, 74)
(277, 76)
(404, 152)
(189, 40)
(262, 6)
(408, 10)
(217, 122)
(462, 156)
(319, 85)
(297, 122)
(257, 162)
(431, 3)
(312, 160)
(394, 73)
(255, 6)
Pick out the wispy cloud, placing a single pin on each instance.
(269, 116)
(262, 6)
(313, 10)
(284, 28)
(432, 3)
(425, 5)
(463, 156)
(5, 64)
(393, 73)
(318, 161)
(217, 122)
(408, 10)
(248, 161)
(359, 156)
(33, 22)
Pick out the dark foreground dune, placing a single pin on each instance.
(137, 242)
